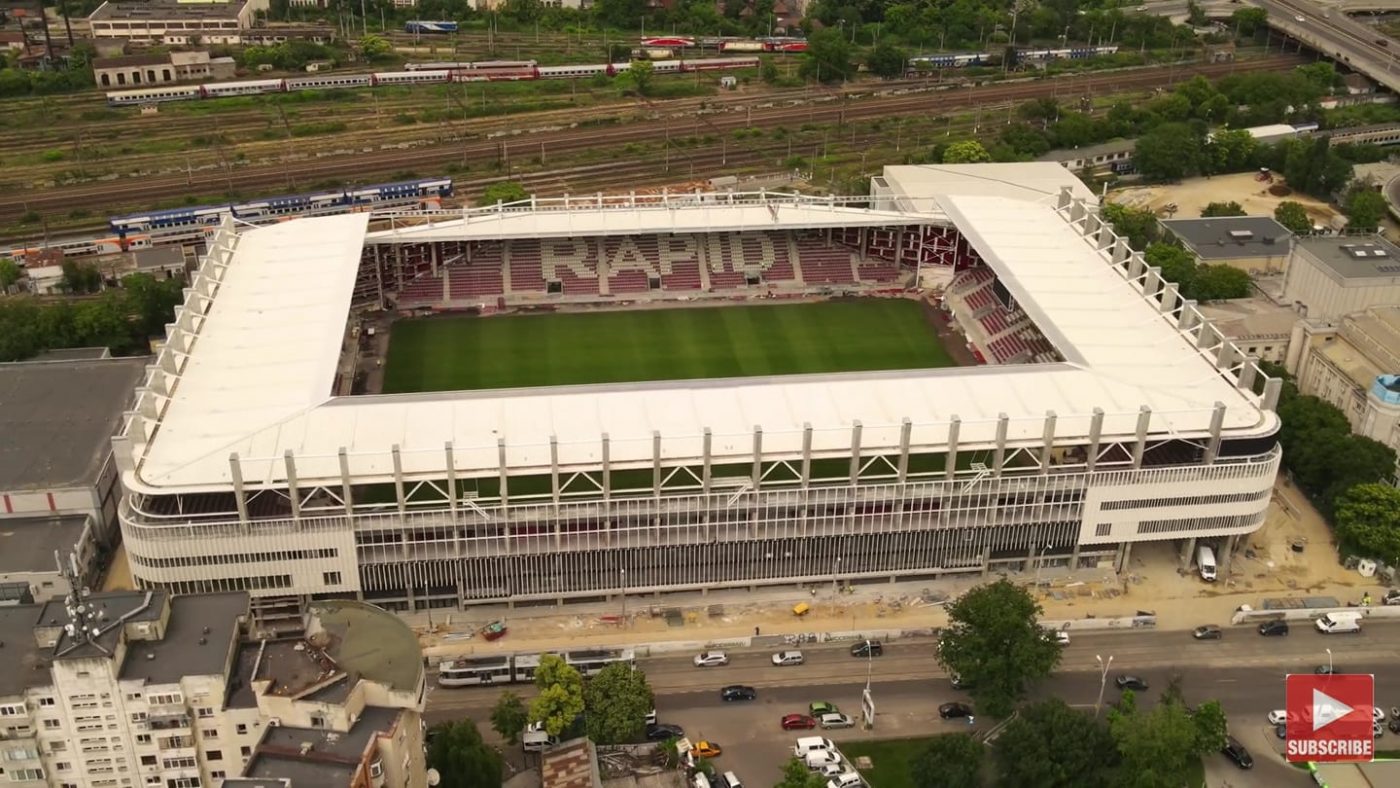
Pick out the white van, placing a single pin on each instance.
(847, 780)
(818, 760)
(537, 740)
(808, 744)
(731, 780)
(1205, 563)
(1339, 623)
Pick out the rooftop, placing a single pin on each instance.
(918, 186)
(168, 9)
(115, 607)
(570, 765)
(19, 653)
(130, 61)
(1251, 317)
(27, 544)
(372, 643)
(331, 758)
(1090, 151)
(198, 638)
(58, 419)
(1231, 237)
(259, 379)
(1353, 258)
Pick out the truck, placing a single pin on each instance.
(1339, 623)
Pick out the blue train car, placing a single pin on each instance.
(420, 26)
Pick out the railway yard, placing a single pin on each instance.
(71, 160)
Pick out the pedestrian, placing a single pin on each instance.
(755, 631)
(971, 719)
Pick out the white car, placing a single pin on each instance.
(831, 769)
(1300, 18)
(816, 761)
(711, 659)
(836, 720)
(1278, 717)
(783, 658)
(1378, 714)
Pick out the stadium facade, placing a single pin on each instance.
(1127, 418)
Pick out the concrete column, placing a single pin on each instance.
(1186, 320)
(1125, 554)
(1249, 370)
(554, 469)
(1170, 294)
(906, 427)
(452, 493)
(951, 465)
(999, 458)
(1272, 388)
(855, 452)
(806, 454)
(1095, 439)
(1074, 557)
(656, 463)
(1144, 420)
(757, 472)
(607, 467)
(1217, 420)
(398, 479)
(240, 496)
(1049, 441)
(705, 476)
(345, 489)
(293, 493)
(1136, 265)
(1227, 555)
(1188, 549)
(1064, 198)
(504, 480)
(1207, 336)
(1121, 251)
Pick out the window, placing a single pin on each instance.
(63, 766)
(206, 712)
(22, 754)
(20, 775)
(143, 738)
(46, 701)
(1103, 529)
(183, 782)
(245, 751)
(170, 699)
(242, 729)
(330, 578)
(51, 725)
(58, 746)
(214, 755)
(139, 716)
(148, 760)
(217, 774)
(13, 710)
(209, 733)
(182, 762)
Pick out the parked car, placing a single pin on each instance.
(1281, 730)
(1377, 730)
(1278, 717)
(1273, 628)
(711, 659)
(663, 731)
(787, 658)
(959, 683)
(1237, 753)
(1393, 724)
(1207, 632)
(651, 717)
(798, 722)
(1326, 670)
(867, 648)
(738, 692)
(1126, 682)
(706, 749)
(836, 720)
(954, 710)
(1392, 597)
(819, 707)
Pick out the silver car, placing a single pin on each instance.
(711, 659)
(836, 720)
(785, 658)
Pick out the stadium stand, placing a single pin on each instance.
(481, 277)
(630, 262)
(573, 262)
(822, 264)
(678, 260)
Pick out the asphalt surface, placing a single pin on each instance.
(1244, 671)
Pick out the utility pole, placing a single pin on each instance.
(1103, 681)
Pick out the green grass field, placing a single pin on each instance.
(462, 353)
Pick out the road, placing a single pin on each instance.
(1337, 36)
(1244, 672)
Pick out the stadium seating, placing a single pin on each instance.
(678, 261)
(730, 259)
(822, 264)
(630, 262)
(480, 278)
(572, 261)
(876, 270)
(526, 268)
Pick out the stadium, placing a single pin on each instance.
(962, 372)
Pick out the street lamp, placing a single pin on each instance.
(835, 567)
(1103, 680)
(1039, 562)
(622, 581)
(1329, 661)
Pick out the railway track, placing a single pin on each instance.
(435, 156)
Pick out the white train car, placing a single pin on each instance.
(571, 72)
(251, 87)
(409, 77)
(330, 81)
(152, 95)
(742, 46)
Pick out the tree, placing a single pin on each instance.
(461, 757)
(1294, 216)
(887, 60)
(1365, 207)
(797, 775)
(1368, 521)
(152, 301)
(618, 700)
(994, 641)
(1157, 747)
(1248, 20)
(1169, 152)
(1177, 264)
(80, 277)
(1218, 283)
(1138, 225)
(1311, 166)
(828, 57)
(1231, 208)
(504, 192)
(768, 71)
(965, 152)
(509, 718)
(1050, 745)
(9, 273)
(640, 75)
(560, 701)
(375, 47)
(953, 760)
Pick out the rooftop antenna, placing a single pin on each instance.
(82, 626)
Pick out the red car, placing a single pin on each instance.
(794, 722)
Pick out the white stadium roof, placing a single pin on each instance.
(260, 373)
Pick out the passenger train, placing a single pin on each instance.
(728, 44)
(520, 668)
(187, 225)
(414, 73)
(965, 59)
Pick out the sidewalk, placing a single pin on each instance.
(1266, 566)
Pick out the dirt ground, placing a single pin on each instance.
(1191, 197)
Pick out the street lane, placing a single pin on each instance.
(1244, 671)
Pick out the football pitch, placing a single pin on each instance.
(687, 343)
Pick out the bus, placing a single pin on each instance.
(468, 672)
(591, 663)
